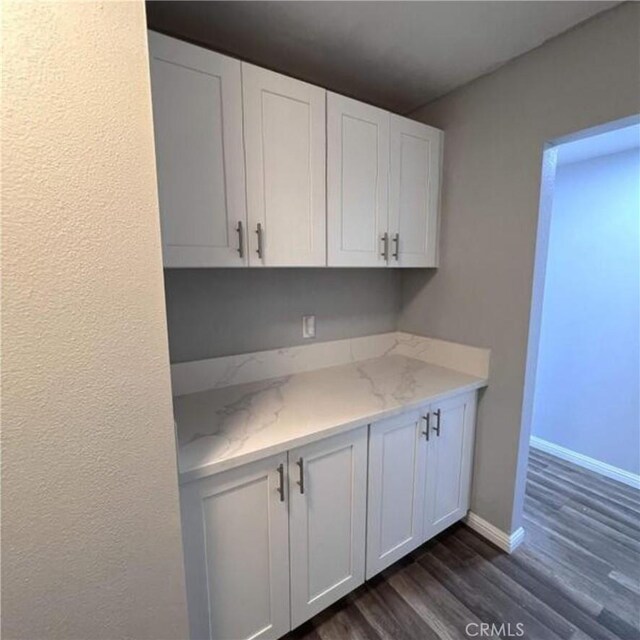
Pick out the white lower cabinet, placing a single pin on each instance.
(449, 463)
(420, 467)
(328, 493)
(286, 530)
(272, 543)
(235, 528)
(396, 489)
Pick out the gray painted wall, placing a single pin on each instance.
(496, 128)
(216, 312)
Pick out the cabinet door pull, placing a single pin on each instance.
(385, 246)
(281, 481)
(425, 433)
(396, 242)
(436, 428)
(300, 464)
(259, 250)
(240, 231)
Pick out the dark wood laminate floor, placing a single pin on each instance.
(576, 576)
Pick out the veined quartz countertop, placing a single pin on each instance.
(223, 428)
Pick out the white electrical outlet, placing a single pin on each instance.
(308, 326)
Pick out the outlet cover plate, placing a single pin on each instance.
(308, 326)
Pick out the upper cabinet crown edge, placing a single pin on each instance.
(259, 169)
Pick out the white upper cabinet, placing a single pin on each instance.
(285, 148)
(197, 112)
(357, 183)
(259, 169)
(414, 192)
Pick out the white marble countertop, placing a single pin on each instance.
(223, 428)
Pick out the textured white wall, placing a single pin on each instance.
(90, 519)
(495, 130)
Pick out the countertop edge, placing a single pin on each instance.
(260, 454)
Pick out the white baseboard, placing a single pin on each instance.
(506, 542)
(592, 464)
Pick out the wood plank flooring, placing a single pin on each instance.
(576, 576)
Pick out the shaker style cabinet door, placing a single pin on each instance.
(328, 502)
(397, 450)
(449, 462)
(357, 184)
(285, 148)
(414, 193)
(197, 113)
(236, 542)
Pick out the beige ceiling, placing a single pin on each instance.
(398, 55)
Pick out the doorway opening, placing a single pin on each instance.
(581, 407)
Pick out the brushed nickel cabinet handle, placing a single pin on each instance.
(385, 246)
(240, 231)
(425, 433)
(437, 427)
(396, 242)
(281, 481)
(300, 464)
(259, 250)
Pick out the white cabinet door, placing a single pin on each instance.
(357, 183)
(397, 450)
(449, 462)
(285, 150)
(197, 112)
(414, 193)
(236, 541)
(328, 490)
